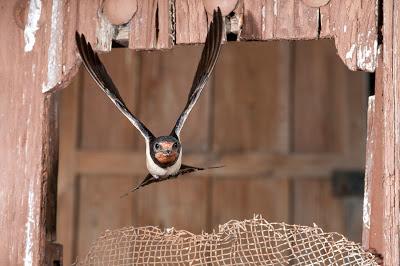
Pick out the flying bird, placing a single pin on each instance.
(163, 154)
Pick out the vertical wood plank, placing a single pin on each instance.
(241, 198)
(250, 96)
(103, 126)
(180, 203)
(318, 103)
(101, 208)
(355, 31)
(373, 205)
(27, 139)
(150, 27)
(165, 82)
(323, 117)
(191, 21)
(391, 132)
(279, 20)
(166, 79)
(67, 171)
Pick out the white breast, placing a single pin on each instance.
(154, 169)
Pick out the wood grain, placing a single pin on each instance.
(322, 123)
(391, 131)
(319, 101)
(268, 20)
(180, 203)
(103, 126)
(166, 79)
(191, 22)
(66, 204)
(151, 26)
(242, 120)
(355, 31)
(102, 208)
(257, 163)
(243, 197)
(373, 204)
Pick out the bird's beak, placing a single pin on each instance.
(167, 152)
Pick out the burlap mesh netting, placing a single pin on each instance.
(249, 242)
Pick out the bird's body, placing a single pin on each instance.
(163, 154)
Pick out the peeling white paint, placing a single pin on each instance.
(32, 24)
(349, 54)
(52, 54)
(263, 18)
(275, 8)
(366, 57)
(366, 210)
(29, 228)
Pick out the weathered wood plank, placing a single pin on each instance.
(103, 126)
(268, 20)
(27, 137)
(102, 208)
(180, 203)
(391, 132)
(151, 26)
(66, 205)
(319, 108)
(373, 204)
(355, 31)
(275, 165)
(166, 79)
(191, 21)
(243, 121)
(241, 198)
(322, 124)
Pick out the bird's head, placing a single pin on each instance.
(165, 150)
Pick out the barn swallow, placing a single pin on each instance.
(163, 154)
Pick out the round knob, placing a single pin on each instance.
(226, 6)
(316, 3)
(119, 11)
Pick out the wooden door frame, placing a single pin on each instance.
(39, 40)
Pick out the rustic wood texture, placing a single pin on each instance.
(191, 21)
(28, 138)
(151, 26)
(268, 20)
(373, 204)
(391, 132)
(96, 108)
(225, 128)
(168, 22)
(240, 199)
(271, 106)
(355, 31)
(166, 78)
(67, 176)
(322, 112)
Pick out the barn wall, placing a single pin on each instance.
(281, 116)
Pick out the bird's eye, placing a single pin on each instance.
(157, 146)
(175, 146)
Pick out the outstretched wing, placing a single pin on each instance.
(98, 72)
(207, 62)
(185, 169)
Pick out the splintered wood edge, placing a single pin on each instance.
(356, 44)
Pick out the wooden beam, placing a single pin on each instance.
(372, 236)
(391, 131)
(247, 164)
(27, 136)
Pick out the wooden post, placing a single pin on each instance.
(391, 130)
(28, 136)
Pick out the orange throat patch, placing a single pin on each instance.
(165, 159)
